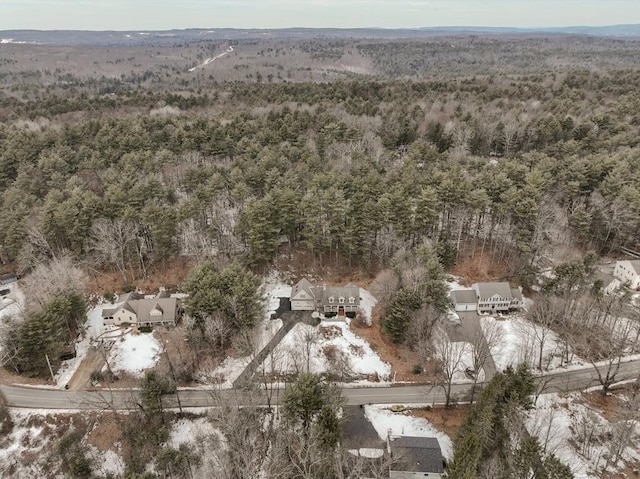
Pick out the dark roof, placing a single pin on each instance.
(459, 296)
(420, 454)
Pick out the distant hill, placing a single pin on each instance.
(142, 37)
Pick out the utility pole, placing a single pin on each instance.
(50, 368)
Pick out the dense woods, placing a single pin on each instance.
(357, 170)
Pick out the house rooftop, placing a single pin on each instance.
(488, 290)
(459, 296)
(420, 454)
(635, 264)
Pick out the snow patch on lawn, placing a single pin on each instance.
(367, 303)
(107, 463)
(404, 424)
(135, 353)
(275, 288)
(13, 304)
(458, 356)
(520, 340)
(187, 431)
(306, 347)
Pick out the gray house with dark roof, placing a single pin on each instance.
(415, 457)
(131, 309)
(325, 299)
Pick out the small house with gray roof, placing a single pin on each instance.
(132, 309)
(325, 299)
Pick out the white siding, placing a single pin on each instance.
(302, 305)
(466, 307)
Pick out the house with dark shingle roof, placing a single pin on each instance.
(325, 299)
(415, 457)
(132, 309)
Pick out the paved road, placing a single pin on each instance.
(562, 381)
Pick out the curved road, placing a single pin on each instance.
(39, 398)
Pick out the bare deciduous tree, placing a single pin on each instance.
(451, 357)
(111, 239)
(60, 275)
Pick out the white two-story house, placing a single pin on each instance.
(628, 272)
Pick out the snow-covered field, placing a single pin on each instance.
(518, 340)
(580, 436)
(404, 424)
(329, 347)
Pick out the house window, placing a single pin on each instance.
(340, 299)
(331, 299)
(352, 300)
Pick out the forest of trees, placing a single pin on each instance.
(359, 170)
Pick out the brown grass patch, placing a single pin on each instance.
(446, 420)
(401, 358)
(173, 273)
(106, 433)
(329, 332)
(473, 266)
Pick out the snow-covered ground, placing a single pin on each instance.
(106, 464)
(367, 303)
(387, 422)
(579, 435)
(186, 431)
(458, 356)
(329, 347)
(519, 340)
(13, 303)
(135, 353)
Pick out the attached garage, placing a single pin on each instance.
(301, 297)
(464, 299)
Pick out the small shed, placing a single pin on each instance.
(464, 299)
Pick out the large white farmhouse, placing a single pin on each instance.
(628, 272)
(487, 298)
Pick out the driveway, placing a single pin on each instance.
(468, 331)
(357, 430)
(93, 361)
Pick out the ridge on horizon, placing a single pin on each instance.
(190, 35)
(373, 27)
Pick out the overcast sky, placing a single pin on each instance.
(168, 14)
